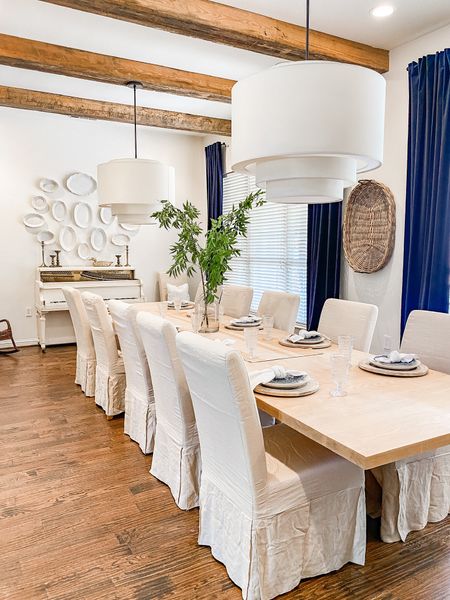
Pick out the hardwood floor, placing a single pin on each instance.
(81, 517)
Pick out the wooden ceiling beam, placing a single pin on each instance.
(50, 58)
(110, 111)
(232, 26)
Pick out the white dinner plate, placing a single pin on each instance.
(130, 228)
(81, 184)
(50, 186)
(82, 214)
(84, 251)
(105, 215)
(46, 236)
(59, 210)
(39, 203)
(98, 239)
(34, 221)
(120, 239)
(67, 238)
(290, 382)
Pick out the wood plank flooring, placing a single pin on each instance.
(81, 518)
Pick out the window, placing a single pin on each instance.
(273, 256)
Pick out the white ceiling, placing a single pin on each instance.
(347, 18)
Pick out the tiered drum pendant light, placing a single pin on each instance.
(133, 187)
(305, 129)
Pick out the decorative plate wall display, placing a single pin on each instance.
(81, 184)
(67, 238)
(59, 210)
(84, 251)
(46, 236)
(369, 226)
(120, 239)
(82, 214)
(34, 221)
(98, 239)
(130, 228)
(48, 185)
(105, 215)
(39, 203)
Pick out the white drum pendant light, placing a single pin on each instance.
(133, 187)
(305, 129)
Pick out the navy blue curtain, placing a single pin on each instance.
(427, 221)
(324, 257)
(214, 181)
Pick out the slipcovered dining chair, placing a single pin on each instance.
(236, 300)
(176, 454)
(344, 317)
(164, 279)
(109, 372)
(140, 418)
(86, 362)
(275, 507)
(416, 490)
(282, 306)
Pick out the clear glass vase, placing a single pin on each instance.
(208, 317)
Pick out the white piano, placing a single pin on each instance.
(109, 282)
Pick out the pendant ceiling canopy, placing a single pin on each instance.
(134, 187)
(306, 129)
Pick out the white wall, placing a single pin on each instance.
(384, 288)
(35, 145)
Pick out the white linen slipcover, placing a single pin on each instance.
(164, 279)
(85, 369)
(275, 507)
(110, 372)
(282, 306)
(416, 490)
(236, 300)
(176, 453)
(344, 317)
(140, 417)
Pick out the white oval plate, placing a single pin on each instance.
(39, 203)
(67, 238)
(82, 214)
(130, 228)
(105, 215)
(81, 184)
(33, 220)
(84, 251)
(98, 239)
(48, 185)
(46, 236)
(121, 239)
(59, 210)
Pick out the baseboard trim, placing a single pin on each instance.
(21, 343)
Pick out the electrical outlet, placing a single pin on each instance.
(28, 312)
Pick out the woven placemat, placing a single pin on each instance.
(324, 344)
(419, 372)
(236, 328)
(369, 226)
(310, 388)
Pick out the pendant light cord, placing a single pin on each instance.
(135, 122)
(307, 31)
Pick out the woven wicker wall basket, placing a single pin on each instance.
(369, 226)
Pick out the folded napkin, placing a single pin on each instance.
(395, 357)
(267, 375)
(303, 334)
(248, 319)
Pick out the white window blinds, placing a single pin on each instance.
(273, 256)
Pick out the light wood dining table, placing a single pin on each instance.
(380, 420)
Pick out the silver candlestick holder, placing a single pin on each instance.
(43, 264)
(127, 264)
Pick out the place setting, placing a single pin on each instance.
(302, 338)
(245, 322)
(282, 382)
(394, 364)
(180, 305)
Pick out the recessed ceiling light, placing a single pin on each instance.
(383, 10)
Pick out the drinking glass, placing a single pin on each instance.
(221, 314)
(163, 309)
(196, 319)
(387, 345)
(177, 303)
(339, 374)
(267, 321)
(345, 344)
(251, 340)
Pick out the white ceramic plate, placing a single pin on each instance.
(81, 184)
(290, 382)
(82, 214)
(98, 239)
(50, 186)
(34, 221)
(67, 238)
(59, 210)
(105, 215)
(130, 228)
(84, 251)
(39, 203)
(46, 236)
(120, 239)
